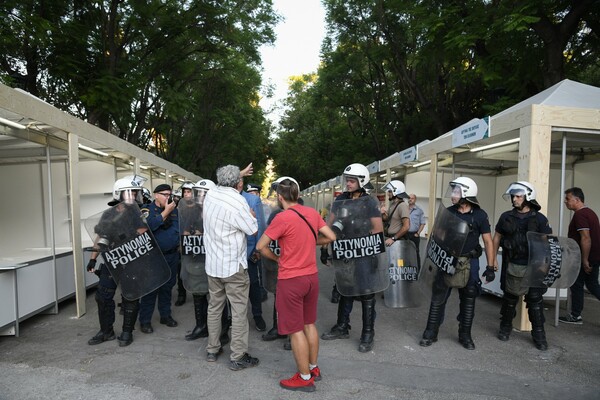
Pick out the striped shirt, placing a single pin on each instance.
(227, 221)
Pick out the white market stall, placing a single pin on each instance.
(55, 171)
(551, 140)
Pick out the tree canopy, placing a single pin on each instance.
(178, 78)
(395, 73)
(182, 78)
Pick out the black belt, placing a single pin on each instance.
(173, 250)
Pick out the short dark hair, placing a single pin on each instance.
(576, 192)
(288, 190)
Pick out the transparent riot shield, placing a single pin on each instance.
(193, 254)
(129, 250)
(403, 272)
(553, 261)
(444, 247)
(270, 268)
(358, 256)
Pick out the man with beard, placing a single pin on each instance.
(511, 234)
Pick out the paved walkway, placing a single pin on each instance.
(51, 359)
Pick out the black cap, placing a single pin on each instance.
(161, 187)
(251, 187)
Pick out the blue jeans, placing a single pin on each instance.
(591, 282)
(163, 294)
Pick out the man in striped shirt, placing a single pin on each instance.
(227, 221)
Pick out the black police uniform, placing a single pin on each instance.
(114, 227)
(478, 222)
(513, 226)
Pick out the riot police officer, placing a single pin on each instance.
(185, 190)
(511, 234)
(355, 177)
(109, 231)
(462, 192)
(193, 272)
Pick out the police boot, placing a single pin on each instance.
(368, 330)
(273, 334)
(106, 317)
(341, 329)
(130, 314)
(507, 312)
(536, 316)
(430, 335)
(200, 312)
(467, 313)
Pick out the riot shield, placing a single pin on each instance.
(129, 250)
(403, 273)
(193, 254)
(358, 256)
(553, 261)
(444, 247)
(270, 268)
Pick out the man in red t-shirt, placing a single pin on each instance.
(297, 230)
(585, 230)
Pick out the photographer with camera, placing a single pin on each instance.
(164, 223)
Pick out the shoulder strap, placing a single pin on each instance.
(389, 220)
(310, 227)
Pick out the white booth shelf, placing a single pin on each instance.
(34, 281)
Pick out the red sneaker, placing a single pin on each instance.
(316, 374)
(297, 383)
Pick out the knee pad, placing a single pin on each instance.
(469, 291)
(534, 296)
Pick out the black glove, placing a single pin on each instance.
(91, 265)
(489, 274)
(324, 255)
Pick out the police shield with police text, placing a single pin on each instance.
(124, 239)
(553, 261)
(128, 249)
(403, 273)
(357, 254)
(193, 254)
(444, 248)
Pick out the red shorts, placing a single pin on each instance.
(296, 303)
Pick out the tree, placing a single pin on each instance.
(136, 68)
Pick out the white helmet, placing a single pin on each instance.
(464, 188)
(278, 181)
(522, 188)
(129, 189)
(397, 188)
(357, 171)
(186, 185)
(200, 189)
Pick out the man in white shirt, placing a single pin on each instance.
(227, 221)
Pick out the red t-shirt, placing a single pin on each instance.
(298, 255)
(586, 219)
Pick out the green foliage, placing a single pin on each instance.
(148, 71)
(397, 72)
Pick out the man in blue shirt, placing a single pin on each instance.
(255, 294)
(163, 221)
